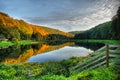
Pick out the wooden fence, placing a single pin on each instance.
(109, 55)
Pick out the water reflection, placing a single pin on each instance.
(92, 46)
(23, 53)
(43, 52)
(63, 53)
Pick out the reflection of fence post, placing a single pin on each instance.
(107, 55)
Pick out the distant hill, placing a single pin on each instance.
(12, 28)
(101, 31)
(76, 32)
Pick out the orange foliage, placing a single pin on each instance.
(37, 29)
(41, 49)
(22, 58)
(9, 22)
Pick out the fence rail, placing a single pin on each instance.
(109, 54)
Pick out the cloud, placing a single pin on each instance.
(77, 16)
(66, 15)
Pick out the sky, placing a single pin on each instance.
(65, 15)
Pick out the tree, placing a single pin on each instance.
(116, 25)
(37, 36)
(14, 33)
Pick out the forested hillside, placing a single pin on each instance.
(102, 31)
(107, 30)
(75, 32)
(18, 29)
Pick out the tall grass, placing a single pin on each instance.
(54, 71)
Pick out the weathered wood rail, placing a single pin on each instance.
(109, 55)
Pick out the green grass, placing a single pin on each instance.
(5, 44)
(26, 42)
(53, 71)
(100, 41)
(23, 42)
(97, 74)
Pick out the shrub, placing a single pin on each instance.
(6, 71)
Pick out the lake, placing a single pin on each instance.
(47, 52)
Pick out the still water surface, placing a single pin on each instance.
(60, 54)
(46, 52)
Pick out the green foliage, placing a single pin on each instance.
(116, 25)
(98, 74)
(34, 71)
(14, 34)
(2, 36)
(15, 41)
(9, 33)
(6, 71)
(76, 32)
(27, 42)
(56, 37)
(28, 69)
(102, 31)
(5, 44)
(4, 32)
(52, 77)
(98, 41)
(37, 37)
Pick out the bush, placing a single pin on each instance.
(29, 70)
(97, 74)
(6, 71)
(52, 77)
(15, 41)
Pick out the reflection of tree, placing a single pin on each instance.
(47, 48)
(22, 58)
(43, 48)
(93, 46)
(11, 52)
(23, 53)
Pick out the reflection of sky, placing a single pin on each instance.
(63, 53)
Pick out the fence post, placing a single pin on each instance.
(107, 55)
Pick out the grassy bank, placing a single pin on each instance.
(99, 41)
(54, 71)
(5, 44)
(24, 42)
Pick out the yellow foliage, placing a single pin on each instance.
(41, 49)
(26, 28)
